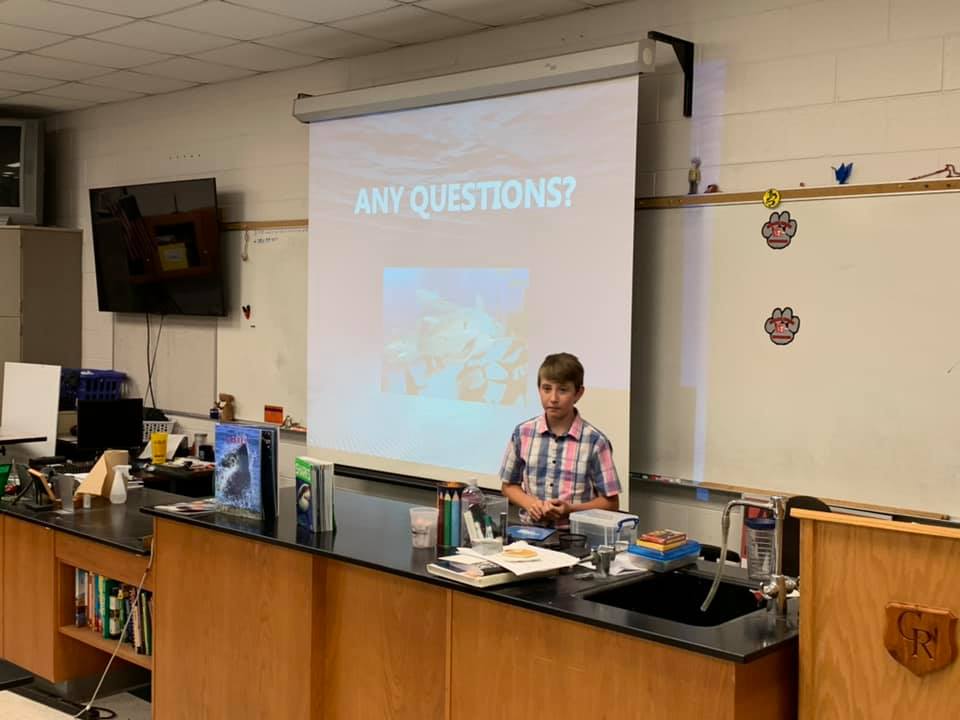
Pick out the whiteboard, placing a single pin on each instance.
(262, 359)
(862, 405)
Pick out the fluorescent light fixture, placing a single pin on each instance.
(16, 164)
(571, 69)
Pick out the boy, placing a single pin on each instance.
(558, 463)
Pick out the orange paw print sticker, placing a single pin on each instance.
(782, 326)
(779, 230)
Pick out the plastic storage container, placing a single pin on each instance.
(100, 385)
(604, 527)
(761, 533)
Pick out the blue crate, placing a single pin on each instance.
(100, 385)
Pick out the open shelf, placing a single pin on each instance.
(95, 639)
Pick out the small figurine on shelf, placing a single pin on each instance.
(693, 176)
(712, 188)
(226, 407)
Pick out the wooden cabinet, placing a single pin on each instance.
(33, 586)
(40, 295)
(546, 667)
(386, 634)
(29, 599)
(233, 626)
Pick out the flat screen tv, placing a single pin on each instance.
(21, 171)
(156, 248)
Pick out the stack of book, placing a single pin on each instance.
(105, 606)
(314, 494)
(664, 550)
(662, 541)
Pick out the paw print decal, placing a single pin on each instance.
(779, 230)
(782, 326)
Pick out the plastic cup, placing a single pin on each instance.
(158, 447)
(65, 485)
(423, 526)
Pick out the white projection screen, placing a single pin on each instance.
(451, 248)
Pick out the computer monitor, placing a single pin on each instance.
(106, 424)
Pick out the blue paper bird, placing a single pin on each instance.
(842, 173)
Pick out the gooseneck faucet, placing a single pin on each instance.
(779, 585)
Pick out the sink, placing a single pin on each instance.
(677, 596)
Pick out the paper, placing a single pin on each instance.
(173, 444)
(546, 560)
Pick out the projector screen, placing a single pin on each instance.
(450, 249)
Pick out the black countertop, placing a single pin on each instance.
(374, 532)
(122, 526)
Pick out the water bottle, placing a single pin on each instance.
(761, 535)
(473, 496)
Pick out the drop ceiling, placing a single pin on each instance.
(61, 55)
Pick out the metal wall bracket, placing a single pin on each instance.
(684, 51)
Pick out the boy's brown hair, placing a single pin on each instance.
(561, 368)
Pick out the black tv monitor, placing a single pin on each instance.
(156, 248)
(110, 424)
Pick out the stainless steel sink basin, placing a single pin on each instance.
(677, 596)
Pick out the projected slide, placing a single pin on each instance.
(451, 249)
(454, 333)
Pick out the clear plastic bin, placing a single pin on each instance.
(761, 534)
(604, 527)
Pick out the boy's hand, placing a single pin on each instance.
(556, 509)
(536, 509)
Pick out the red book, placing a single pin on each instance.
(663, 537)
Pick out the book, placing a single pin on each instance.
(315, 494)
(269, 482)
(306, 493)
(239, 463)
(663, 537)
(661, 548)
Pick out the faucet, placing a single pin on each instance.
(779, 585)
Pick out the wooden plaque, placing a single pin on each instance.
(922, 639)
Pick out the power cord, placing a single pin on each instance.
(89, 711)
(152, 359)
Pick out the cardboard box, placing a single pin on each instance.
(100, 479)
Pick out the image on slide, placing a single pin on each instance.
(456, 333)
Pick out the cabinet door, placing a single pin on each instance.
(9, 273)
(29, 596)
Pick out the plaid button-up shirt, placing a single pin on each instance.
(574, 467)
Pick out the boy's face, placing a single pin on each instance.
(558, 398)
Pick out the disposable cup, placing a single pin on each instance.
(158, 447)
(423, 526)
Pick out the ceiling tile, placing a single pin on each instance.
(502, 12)
(326, 42)
(138, 82)
(30, 64)
(101, 53)
(195, 70)
(48, 102)
(26, 83)
(319, 12)
(406, 24)
(162, 38)
(232, 21)
(21, 38)
(255, 57)
(131, 8)
(44, 15)
(79, 91)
